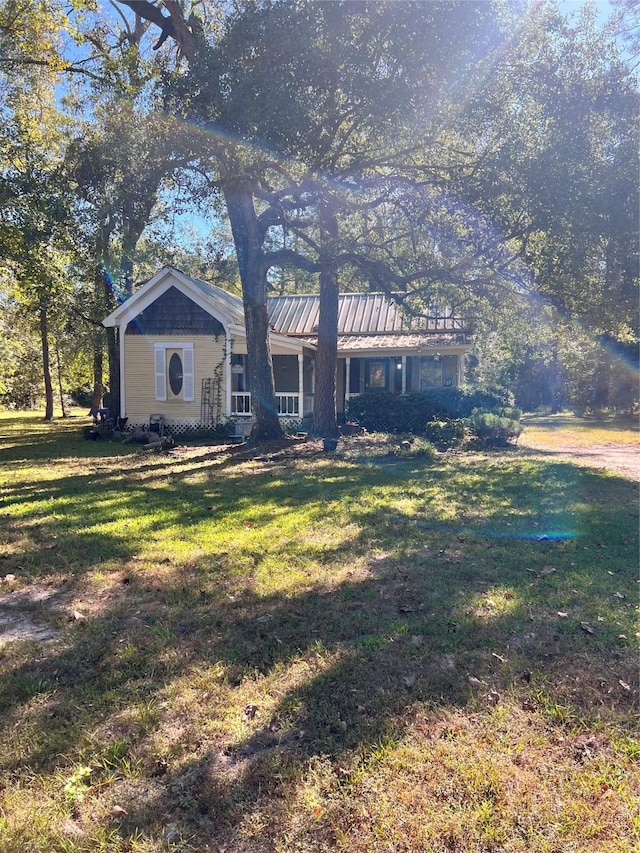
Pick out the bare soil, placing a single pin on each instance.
(619, 458)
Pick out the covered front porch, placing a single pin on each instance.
(398, 373)
(294, 379)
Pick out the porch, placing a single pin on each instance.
(289, 405)
(397, 374)
(294, 380)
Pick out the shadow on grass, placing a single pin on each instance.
(222, 694)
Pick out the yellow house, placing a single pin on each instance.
(183, 352)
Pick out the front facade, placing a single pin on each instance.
(183, 352)
(379, 347)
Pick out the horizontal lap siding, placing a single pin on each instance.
(140, 400)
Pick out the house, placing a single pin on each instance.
(183, 352)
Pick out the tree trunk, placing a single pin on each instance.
(556, 381)
(325, 422)
(46, 368)
(112, 399)
(104, 304)
(248, 239)
(60, 388)
(98, 367)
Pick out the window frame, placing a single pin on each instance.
(380, 368)
(437, 363)
(161, 364)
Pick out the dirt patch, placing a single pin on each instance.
(22, 614)
(270, 451)
(622, 459)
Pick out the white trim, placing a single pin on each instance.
(228, 343)
(160, 360)
(300, 384)
(123, 373)
(293, 345)
(159, 284)
(347, 378)
(174, 344)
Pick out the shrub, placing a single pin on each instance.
(510, 412)
(82, 396)
(493, 429)
(415, 447)
(447, 433)
(384, 412)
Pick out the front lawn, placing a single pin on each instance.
(206, 650)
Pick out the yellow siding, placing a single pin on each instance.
(140, 400)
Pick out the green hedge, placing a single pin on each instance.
(493, 429)
(410, 413)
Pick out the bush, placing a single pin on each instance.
(510, 412)
(82, 396)
(494, 430)
(414, 448)
(409, 413)
(447, 433)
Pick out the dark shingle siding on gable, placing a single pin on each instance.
(173, 313)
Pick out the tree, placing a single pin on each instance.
(34, 213)
(119, 163)
(315, 86)
(558, 130)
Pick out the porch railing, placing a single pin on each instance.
(240, 403)
(288, 404)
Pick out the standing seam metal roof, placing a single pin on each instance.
(358, 314)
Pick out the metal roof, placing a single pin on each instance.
(358, 343)
(229, 302)
(358, 314)
(365, 320)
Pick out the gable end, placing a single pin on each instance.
(174, 313)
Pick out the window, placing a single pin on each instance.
(377, 375)
(430, 372)
(238, 373)
(174, 371)
(175, 374)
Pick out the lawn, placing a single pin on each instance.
(372, 650)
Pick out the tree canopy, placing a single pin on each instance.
(467, 153)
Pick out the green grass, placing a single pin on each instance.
(358, 651)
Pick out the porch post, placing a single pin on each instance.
(300, 385)
(122, 402)
(404, 374)
(460, 369)
(227, 374)
(347, 378)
